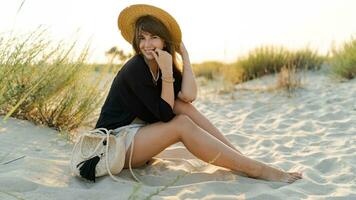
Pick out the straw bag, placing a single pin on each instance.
(98, 153)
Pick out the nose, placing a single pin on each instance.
(147, 43)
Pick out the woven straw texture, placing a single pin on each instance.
(116, 154)
(129, 16)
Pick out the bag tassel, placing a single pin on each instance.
(87, 170)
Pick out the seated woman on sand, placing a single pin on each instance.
(151, 91)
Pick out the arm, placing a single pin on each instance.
(189, 86)
(140, 96)
(164, 61)
(167, 91)
(144, 92)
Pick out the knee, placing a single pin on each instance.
(183, 123)
(182, 107)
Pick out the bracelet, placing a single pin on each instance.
(168, 80)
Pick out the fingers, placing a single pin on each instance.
(158, 51)
(162, 57)
(182, 49)
(154, 55)
(182, 45)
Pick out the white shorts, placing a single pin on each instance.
(130, 130)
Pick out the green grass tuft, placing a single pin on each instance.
(208, 69)
(270, 59)
(43, 82)
(343, 60)
(259, 62)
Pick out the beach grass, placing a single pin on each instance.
(271, 59)
(208, 69)
(46, 82)
(259, 62)
(343, 60)
(288, 79)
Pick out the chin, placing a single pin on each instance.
(148, 57)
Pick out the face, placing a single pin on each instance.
(148, 43)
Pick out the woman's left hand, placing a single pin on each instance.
(182, 50)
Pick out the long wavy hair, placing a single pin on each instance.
(153, 26)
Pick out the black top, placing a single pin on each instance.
(134, 94)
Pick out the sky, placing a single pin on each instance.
(220, 30)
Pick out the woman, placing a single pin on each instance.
(150, 91)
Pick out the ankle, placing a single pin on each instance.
(257, 171)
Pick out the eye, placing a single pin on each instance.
(155, 37)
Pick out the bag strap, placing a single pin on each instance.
(130, 158)
(107, 153)
(131, 152)
(107, 133)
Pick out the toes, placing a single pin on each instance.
(299, 175)
(293, 177)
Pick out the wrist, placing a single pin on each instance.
(168, 73)
(185, 60)
(169, 79)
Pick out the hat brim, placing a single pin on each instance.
(128, 17)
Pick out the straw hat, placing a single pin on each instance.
(131, 14)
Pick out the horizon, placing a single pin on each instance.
(229, 29)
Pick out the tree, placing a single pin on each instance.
(116, 55)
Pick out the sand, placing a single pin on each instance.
(313, 131)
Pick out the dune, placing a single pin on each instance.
(313, 131)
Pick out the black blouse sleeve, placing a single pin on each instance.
(177, 83)
(143, 89)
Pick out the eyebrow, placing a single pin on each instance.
(148, 34)
(144, 32)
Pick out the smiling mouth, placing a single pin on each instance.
(150, 51)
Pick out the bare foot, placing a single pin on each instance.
(273, 174)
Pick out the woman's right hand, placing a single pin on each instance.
(164, 61)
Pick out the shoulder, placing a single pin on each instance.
(135, 64)
(134, 69)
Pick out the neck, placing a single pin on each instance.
(152, 64)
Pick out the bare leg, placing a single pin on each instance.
(152, 139)
(181, 107)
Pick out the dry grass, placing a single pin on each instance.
(288, 79)
(209, 69)
(233, 73)
(43, 82)
(259, 62)
(269, 59)
(343, 60)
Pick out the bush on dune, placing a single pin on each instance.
(259, 62)
(269, 59)
(343, 60)
(43, 82)
(208, 69)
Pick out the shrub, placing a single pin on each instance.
(343, 60)
(43, 82)
(270, 59)
(288, 79)
(209, 69)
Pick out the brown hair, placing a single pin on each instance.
(153, 26)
